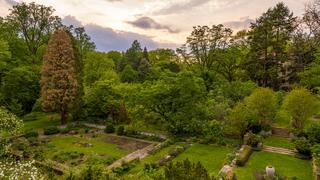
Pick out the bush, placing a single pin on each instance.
(31, 133)
(244, 155)
(51, 130)
(65, 130)
(109, 128)
(313, 133)
(252, 139)
(303, 147)
(120, 131)
(150, 167)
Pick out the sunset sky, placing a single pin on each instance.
(114, 24)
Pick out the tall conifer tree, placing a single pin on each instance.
(58, 80)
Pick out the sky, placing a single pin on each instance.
(114, 24)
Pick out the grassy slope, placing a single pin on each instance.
(40, 120)
(211, 156)
(286, 165)
(278, 142)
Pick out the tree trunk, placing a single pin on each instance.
(63, 115)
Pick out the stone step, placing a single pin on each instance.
(279, 150)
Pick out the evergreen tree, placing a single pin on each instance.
(58, 80)
(268, 41)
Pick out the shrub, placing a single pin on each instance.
(303, 147)
(252, 139)
(65, 130)
(31, 133)
(244, 155)
(313, 133)
(150, 167)
(51, 130)
(131, 132)
(109, 128)
(120, 131)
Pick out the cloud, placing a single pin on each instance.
(107, 39)
(71, 20)
(113, 0)
(149, 23)
(180, 6)
(11, 2)
(243, 23)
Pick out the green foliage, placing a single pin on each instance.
(252, 139)
(214, 132)
(313, 133)
(51, 130)
(178, 100)
(303, 147)
(301, 105)
(102, 100)
(238, 118)
(109, 128)
(21, 86)
(129, 74)
(98, 66)
(185, 170)
(268, 39)
(262, 105)
(31, 133)
(120, 131)
(9, 122)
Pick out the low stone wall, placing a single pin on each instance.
(316, 169)
(281, 132)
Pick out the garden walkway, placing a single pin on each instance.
(139, 154)
(279, 150)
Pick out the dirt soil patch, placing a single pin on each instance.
(126, 143)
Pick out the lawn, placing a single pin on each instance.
(278, 142)
(286, 165)
(211, 156)
(39, 120)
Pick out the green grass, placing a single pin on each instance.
(278, 142)
(40, 120)
(154, 158)
(211, 157)
(286, 165)
(67, 143)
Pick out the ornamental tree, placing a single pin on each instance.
(58, 79)
(301, 105)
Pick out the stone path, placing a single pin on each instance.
(279, 150)
(139, 154)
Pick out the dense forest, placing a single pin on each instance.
(221, 88)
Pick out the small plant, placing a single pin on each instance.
(120, 131)
(31, 133)
(150, 167)
(65, 130)
(109, 128)
(51, 130)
